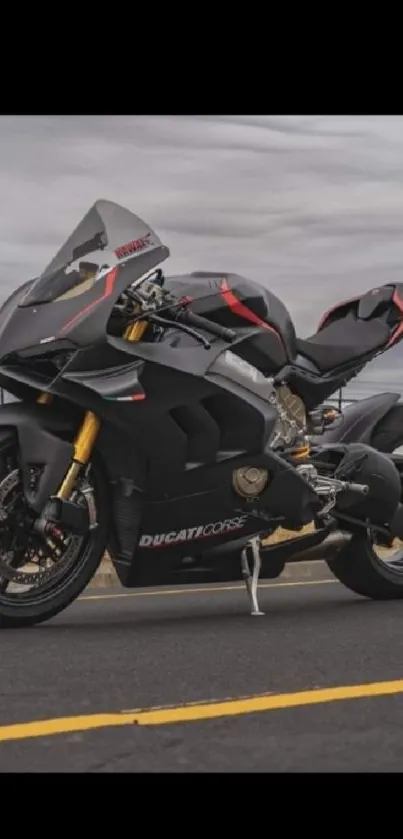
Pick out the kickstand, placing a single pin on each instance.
(251, 580)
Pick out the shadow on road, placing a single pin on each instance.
(208, 616)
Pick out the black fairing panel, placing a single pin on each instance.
(181, 352)
(185, 422)
(205, 512)
(263, 351)
(120, 383)
(44, 439)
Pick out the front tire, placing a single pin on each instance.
(360, 569)
(61, 588)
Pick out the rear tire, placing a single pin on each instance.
(26, 608)
(357, 565)
(359, 568)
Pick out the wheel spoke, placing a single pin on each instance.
(390, 556)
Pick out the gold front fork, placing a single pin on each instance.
(87, 434)
(135, 332)
(83, 446)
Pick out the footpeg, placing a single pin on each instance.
(251, 580)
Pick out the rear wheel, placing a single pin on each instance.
(41, 575)
(369, 569)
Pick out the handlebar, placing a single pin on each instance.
(152, 304)
(200, 322)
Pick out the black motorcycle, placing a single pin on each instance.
(152, 421)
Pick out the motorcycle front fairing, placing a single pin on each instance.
(72, 299)
(67, 308)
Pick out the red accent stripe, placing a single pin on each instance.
(138, 396)
(397, 300)
(399, 329)
(242, 311)
(110, 280)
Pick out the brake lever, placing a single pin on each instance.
(178, 325)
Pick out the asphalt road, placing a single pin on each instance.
(110, 654)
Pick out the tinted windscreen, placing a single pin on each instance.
(61, 285)
(107, 235)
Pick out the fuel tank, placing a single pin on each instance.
(244, 305)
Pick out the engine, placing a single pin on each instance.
(291, 430)
(290, 436)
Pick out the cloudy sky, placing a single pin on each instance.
(311, 206)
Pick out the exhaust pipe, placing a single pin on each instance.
(328, 547)
(288, 548)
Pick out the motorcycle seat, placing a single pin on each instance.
(356, 328)
(343, 341)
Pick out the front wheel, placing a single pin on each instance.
(370, 570)
(40, 576)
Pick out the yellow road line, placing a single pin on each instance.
(198, 711)
(201, 590)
